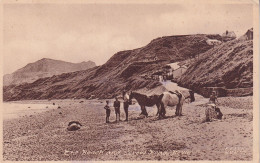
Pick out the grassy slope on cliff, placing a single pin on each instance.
(228, 65)
(121, 71)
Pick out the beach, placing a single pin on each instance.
(42, 136)
(17, 109)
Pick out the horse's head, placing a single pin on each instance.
(128, 97)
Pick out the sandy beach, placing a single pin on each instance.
(42, 136)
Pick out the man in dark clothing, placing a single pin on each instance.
(117, 108)
(192, 98)
(126, 104)
(107, 111)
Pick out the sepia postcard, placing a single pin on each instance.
(127, 80)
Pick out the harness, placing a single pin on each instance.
(178, 94)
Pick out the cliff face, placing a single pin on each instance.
(44, 68)
(122, 71)
(228, 65)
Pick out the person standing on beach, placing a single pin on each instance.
(126, 104)
(192, 98)
(107, 111)
(117, 108)
(213, 98)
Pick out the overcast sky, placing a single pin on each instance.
(77, 33)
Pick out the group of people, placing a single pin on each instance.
(117, 107)
(211, 113)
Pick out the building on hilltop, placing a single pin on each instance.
(157, 75)
(249, 34)
(167, 72)
(228, 36)
(174, 65)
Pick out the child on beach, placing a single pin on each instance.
(107, 111)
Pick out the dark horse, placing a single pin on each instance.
(144, 100)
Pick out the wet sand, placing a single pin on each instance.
(16, 109)
(43, 136)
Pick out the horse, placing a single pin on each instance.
(171, 99)
(144, 101)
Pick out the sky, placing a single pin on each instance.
(82, 32)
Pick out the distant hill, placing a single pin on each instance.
(44, 68)
(122, 71)
(229, 65)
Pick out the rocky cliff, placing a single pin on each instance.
(229, 65)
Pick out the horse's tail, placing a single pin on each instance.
(182, 99)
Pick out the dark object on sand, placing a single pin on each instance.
(60, 112)
(59, 107)
(219, 113)
(53, 103)
(81, 101)
(73, 126)
(213, 112)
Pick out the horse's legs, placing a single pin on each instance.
(142, 110)
(177, 110)
(145, 112)
(158, 109)
(180, 107)
(163, 111)
(159, 112)
(180, 110)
